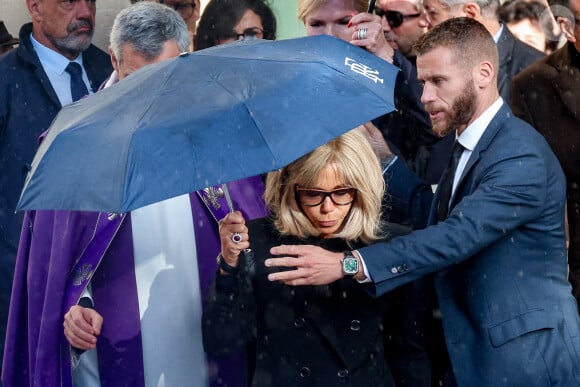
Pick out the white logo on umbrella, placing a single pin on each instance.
(363, 70)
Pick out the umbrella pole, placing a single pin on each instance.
(228, 197)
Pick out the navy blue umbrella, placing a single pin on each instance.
(205, 118)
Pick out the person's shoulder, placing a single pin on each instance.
(514, 130)
(526, 52)
(8, 61)
(541, 70)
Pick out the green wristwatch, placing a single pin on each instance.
(349, 264)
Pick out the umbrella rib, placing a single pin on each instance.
(249, 114)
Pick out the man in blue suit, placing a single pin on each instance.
(498, 253)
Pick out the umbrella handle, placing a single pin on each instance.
(228, 197)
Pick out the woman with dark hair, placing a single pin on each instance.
(225, 21)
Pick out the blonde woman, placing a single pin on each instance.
(408, 130)
(315, 335)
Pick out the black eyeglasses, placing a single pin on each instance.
(184, 9)
(315, 197)
(395, 18)
(250, 33)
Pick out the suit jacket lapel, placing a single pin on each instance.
(568, 80)
(28, 55)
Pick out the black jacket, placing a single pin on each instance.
(311, 335)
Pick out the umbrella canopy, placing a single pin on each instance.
(205, 118)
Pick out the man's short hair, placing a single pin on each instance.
(147, 26)
(489, 8)
(470, 40)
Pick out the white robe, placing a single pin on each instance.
(169, 298)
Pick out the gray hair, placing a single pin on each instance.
(489, 8)
(147, 26)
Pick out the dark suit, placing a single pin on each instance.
(514, 56)
(311, 335)
(28, 104)
(547, 95)
(500, 264)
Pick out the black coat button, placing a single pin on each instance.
(304, 372)
(343, 373)
(355, 325)
(299, 322)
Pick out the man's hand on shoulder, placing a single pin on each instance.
(309, 265)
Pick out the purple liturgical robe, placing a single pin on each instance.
(37, 353)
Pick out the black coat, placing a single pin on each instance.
(311, 335)
(547, 95)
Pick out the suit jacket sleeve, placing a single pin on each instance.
(507, 191)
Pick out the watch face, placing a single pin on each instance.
(350, 265)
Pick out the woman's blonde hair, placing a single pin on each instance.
(306, 7)
(355, 163)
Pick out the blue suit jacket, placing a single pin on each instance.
(28, 104)
(500, 261)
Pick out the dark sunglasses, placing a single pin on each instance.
(395, 18)
(315, 197)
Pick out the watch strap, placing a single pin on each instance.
(225, 266)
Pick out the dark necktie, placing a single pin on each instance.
(78, 87)
(446, 185)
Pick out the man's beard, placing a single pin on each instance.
(460, 113)
(74, 43)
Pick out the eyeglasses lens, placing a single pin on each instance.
(313, 197)
(394, 18)
(251, 33)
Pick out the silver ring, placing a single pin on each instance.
(236, 237)
(361, 34)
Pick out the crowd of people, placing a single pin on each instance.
(436, 245)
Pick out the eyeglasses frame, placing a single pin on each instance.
(325, 194)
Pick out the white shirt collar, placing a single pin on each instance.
(472, 134)
(51, 59)
(498, 34)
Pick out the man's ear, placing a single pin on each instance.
(33, 8)
(472, 10)
(484, 74)
(114, 61)
(567, 27)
